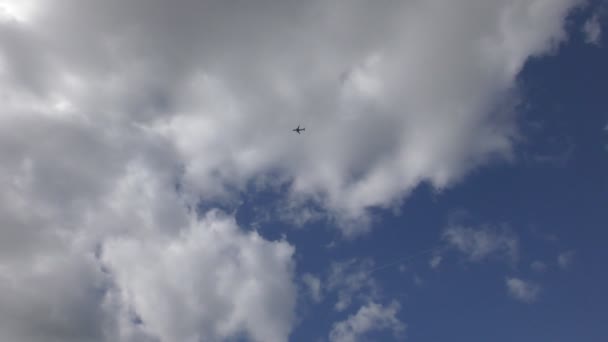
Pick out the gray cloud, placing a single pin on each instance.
(60, 298)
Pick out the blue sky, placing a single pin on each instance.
(450, 184)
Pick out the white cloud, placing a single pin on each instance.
(314, 286)
(19, 10)
(116, 121)
(115, 199)
(538, 266)
(390, 91)
(435, 261)
(351, 280)
(483, 242)
(370, 318)
(209, 283)
(523, 290)
(593, 30)
(565, 259)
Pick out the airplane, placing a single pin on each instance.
(298, 130)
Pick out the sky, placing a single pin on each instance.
(450, 185)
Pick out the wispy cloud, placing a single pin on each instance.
(565, 259)
(435, 261)
(523, 290)
(418, 281)
(370, 318)
(593, 30)
(313, 283)
(538, 266)
(483, 242)
(351, 280)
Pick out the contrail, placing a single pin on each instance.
(406, 258)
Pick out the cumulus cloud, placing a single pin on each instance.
(99, 244)
(370, 318)
(209, 283)
(147, 271)
(390, 92)
(483, 242)
(523, 290)
(118, 117)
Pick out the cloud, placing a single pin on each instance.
(565, 259)
(523, 290)
(390, 92)
(18, 10)
(351, 280)
(314, 286)
(210, 283)
(481, 243)
(538, 266)
(98, 245)
(418, 281)
(370, 318)
(435, 261)
(593, 30)
(118, 121)
(59, 298)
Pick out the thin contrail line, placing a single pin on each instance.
(406, 258)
